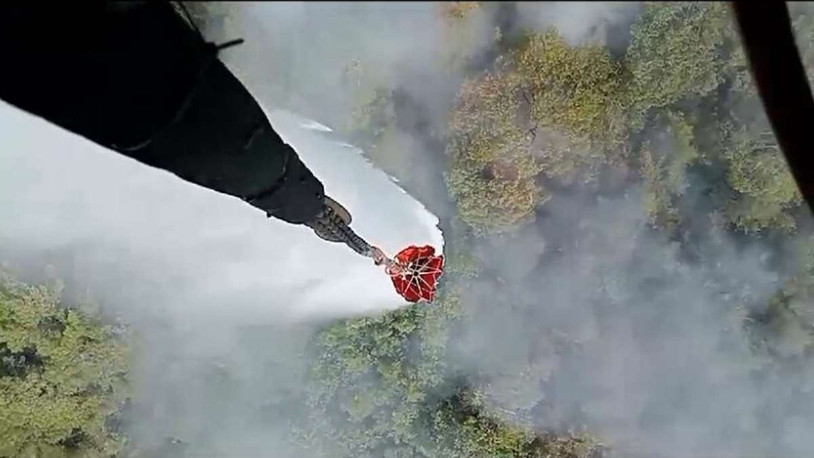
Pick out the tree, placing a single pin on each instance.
(545, 107)
(381, 388)
(465, 36)
(372, 107)
(456, 11)
(767, 190)
(656, 196)
(373, 376)
(575, 93)
(785, 328)
(463, 430)
(492, 173)
(374, 123)
(760, 189)
(685, 57)
(499, 197)
(373, 129)
(663, 162)
(678, 50)
(62, 377)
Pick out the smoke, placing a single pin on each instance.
(614, 331)
(579, 23)
(220, 297)
(161, 240)
(319, 59)
(587, 317)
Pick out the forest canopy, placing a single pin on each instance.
(63, 377)
(678, 179)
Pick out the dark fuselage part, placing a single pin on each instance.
(136, 78)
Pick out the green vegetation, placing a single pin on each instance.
(565, 113)
(381, 387)
(373, 375)
(677, 53)
(677, 108)
(464, 431)
(459, 34)
(493, 171)
(62, 377)
(685, 57)
(457, 11)
(547, 108)
(663, 168)
(766, 189)
(575, 92)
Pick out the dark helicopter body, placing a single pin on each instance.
(135, 77)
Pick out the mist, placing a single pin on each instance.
(579, 23)
(650, 353)
(656, 361)
(221, 298)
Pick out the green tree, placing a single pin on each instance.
(373, 376)
(545, 107)
(373, 125)
(656, 196)
(381, 387)
(492, 173)
(464, 35)
(62, 376)
(678, 50)
(576, 105)
(497, 198)
(457, 11)
(371, 105)
(663, 164)
(373, 129)
(461, 429)
(759, 173)
(765, 190)
(685, 57)
(786, 326)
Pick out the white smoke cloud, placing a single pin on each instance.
(619, 333)
(189, 251)
(580, 23)
(193, 272)
(587, 317)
